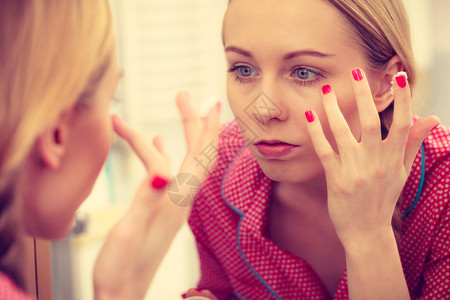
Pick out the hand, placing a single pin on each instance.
(366, 178)
(203, 293)
(201, 137)
(138, 242)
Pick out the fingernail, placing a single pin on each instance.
(357, 74)
(219, 106)
(184, 296)
(401, 78)
(309, 116)
(326, 89)
(159, 182)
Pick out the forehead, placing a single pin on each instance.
(286, 24)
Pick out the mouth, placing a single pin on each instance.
(274, 148)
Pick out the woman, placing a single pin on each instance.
(319, 191)
(59, 71)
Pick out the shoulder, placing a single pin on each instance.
(437, 161)
(432, 163)
(8, 290)
(428, 185)
(230, 140)
(230, 144)
(437, 145)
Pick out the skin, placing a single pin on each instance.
(65, 162)
(71, 162)
(341, 181)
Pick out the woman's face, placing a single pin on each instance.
(55, 194)
(280, 53)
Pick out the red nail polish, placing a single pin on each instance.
(184, 296)
(357, 74)
(401, 80)
(309, 116)
(159, 182)
(326, 89)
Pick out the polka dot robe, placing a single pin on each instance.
(9, 290)
(238, 261)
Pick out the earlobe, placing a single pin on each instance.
(51, 143)
(383, 97)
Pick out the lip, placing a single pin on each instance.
(274, 148)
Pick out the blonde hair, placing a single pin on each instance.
(381, 29)
(52, 55)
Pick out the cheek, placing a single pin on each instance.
(94, 149)
(101, 142)
(237, 98)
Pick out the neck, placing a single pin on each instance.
(301, 197)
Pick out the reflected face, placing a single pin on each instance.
(280, 53)
(50, 211)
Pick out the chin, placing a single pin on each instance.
(290, 171)
(51, 228)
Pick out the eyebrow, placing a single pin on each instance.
(306, 53)
(238, 50)
(291, 55)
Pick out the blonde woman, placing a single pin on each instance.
(323, 187)
(59, 71)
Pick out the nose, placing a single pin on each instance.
(263, 109)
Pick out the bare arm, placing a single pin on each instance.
(137, 244)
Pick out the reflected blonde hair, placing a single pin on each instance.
(52, 55)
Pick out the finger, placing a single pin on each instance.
(200, 293)
(158, 142)
(211, 126)
(416, 136)
(324, 151)
(339, 126)
(212, 120)
(401, 123)
(368, 114)
(146, 152)
(202, 145)
(191, 119)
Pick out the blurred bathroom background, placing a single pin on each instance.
(172, 45)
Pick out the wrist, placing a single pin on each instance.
(369, 242)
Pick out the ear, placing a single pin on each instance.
(52, 142)
(383, 96)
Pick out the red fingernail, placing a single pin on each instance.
(357, 74)
(159, 182)
(401, 80)
(184, 296)
(309, 116)
(326, 89)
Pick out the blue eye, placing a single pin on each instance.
(306, 77)
(304, 74)
(245, 71)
